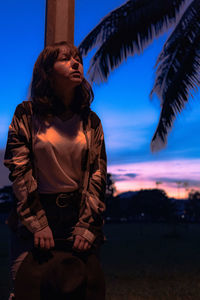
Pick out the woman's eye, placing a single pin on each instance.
(65, 58)
(77, 59)
(68, 57)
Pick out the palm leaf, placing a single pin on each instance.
(178, 71)
(126, 31)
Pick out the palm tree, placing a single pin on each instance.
(130, 28)
(158, 183)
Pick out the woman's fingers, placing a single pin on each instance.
(52, 243)
(36, 241)
(44, 238)
(76, 242)
(42, 243)
(86, 246)
(81, 244)
(47, 244)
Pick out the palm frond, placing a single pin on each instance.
(126, 31)
(178, 71)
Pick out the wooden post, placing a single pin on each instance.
(59, 21)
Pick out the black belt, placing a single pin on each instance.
(61, 199)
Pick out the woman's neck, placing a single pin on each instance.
(66, 95)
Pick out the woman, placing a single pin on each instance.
(56, 156)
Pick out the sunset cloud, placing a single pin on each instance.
(176, 177)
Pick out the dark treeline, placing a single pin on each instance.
(144, 205)
(150, 205)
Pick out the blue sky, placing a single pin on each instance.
(123, 101)
(129, 117)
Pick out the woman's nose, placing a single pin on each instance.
(74, 63)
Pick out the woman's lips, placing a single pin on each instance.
(76, 73)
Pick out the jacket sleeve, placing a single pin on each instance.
(18, 159)
(91, 216)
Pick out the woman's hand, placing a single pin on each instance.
(44, 238)
(81, 244)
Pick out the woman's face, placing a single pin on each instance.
(68, 68)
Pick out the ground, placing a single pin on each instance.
(141, 261)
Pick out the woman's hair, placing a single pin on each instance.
(42, 93)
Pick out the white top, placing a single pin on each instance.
(59, 148)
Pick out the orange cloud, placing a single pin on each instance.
(176, 177)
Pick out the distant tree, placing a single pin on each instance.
(153, 205)
(6, 197)
(6, 193)
(158, 183)
(179, 183)
(110, 185)
(193, 206)
(186, 186)
(110, 190)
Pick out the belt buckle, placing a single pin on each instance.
(61, 200)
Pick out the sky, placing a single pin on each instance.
(128, 115)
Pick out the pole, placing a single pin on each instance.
(59, 21)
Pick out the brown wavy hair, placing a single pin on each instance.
(42, 94)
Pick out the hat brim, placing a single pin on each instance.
(43, 271)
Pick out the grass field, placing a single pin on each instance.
(4, 281)
(141, 262)
(149, 262)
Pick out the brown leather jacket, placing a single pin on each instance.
(20, 161)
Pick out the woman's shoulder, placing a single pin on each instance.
(23, 108)
(95, 120)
